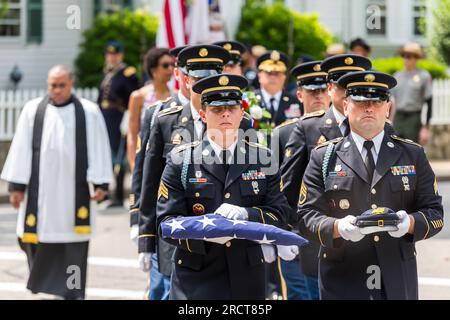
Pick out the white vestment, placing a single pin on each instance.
(56, 203)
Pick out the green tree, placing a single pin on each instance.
(277, 27)
(135, 30)
(440, 41)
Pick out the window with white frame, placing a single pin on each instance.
(376, 17)
(10, 21)
(419, 17)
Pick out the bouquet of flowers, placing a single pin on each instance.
(260, 115)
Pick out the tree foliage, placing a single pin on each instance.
(135, 30)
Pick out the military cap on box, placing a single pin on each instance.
(175, 52)
(221, 90)
(235, 48)
(310, 76)
(368, 85)
(203, 60)
(337, 66)
(377, 220)
(273, 61)
(113, 47)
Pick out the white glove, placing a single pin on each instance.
(348, 230)
(287, 253)
(403, 225)
(232, 212)
(269, 253)
(134, 233)
(145, 262)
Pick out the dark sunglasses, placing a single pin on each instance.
(166, 65)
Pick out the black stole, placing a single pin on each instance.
(82, 197)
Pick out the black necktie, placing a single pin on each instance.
(226, 158)
(369, 162)
(272, 107)
(346, 126)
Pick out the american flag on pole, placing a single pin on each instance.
(214, 226)
(172, 29)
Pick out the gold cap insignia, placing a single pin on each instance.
(31, 220)
(378, 211)
(316, 67)
(227, 46)
(369, 78)
(83, 213)
(111, 49)
(203, 52)
(223, 80)
(348, 61)
(198, 209)
(275, 55)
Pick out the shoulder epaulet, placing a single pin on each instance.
(328, 142)
(170, 110)
(129, 71)
(313, 114)
(256, 145)
(159, 102)
(287, 122)
(393, 136)
(184, 146)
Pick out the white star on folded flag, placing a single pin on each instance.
(265, 240)
(215, 228)
(175, 225)
(207, 222)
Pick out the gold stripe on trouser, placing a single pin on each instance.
(283, 282)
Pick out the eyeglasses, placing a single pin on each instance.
(167, 65)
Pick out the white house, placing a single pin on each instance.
(36, 34)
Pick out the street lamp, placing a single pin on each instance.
(15, 76)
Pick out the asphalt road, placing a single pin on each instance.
(113, 270)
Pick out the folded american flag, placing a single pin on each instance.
(214, 226)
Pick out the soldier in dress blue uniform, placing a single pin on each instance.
(181, 98)
(272, 68)
(313, 129)
(217, 270)
(173, 126)
(368, 169)
(236, 50)
(119, 81)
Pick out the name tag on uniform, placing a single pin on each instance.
(403, 170)
(253, 175)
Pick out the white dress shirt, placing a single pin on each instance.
(198, 123)
(266, 97)
(339, 119)
(377, 140)
(218, 149)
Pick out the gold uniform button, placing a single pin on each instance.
(374, 191)
(227, 195)
(197, 194)
(374, 206)
(324, 255)
(228, 244)
(180, 261)
(376, 238)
